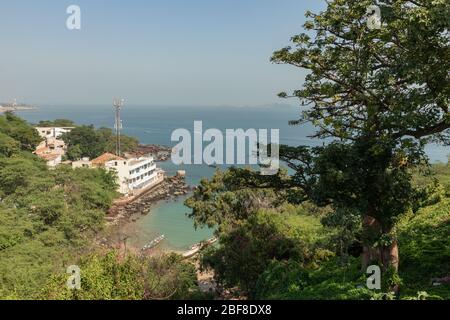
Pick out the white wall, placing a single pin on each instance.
(135, 173)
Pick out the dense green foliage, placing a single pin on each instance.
(111, 276)
(46, 215)
(86, 141)
(15, 128)
(264, 236)
(424, 240)
(306, 252)
(380, 94)
(48, 218)
(56, 123)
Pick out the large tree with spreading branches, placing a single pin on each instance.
(380, 94)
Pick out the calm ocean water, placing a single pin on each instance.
(154, 125)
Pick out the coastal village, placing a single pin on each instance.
(140, 182)
(136, 171)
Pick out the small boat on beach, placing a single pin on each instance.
(153, 243)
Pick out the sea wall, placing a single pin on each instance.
(169, 188)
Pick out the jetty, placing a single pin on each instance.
(196, 248)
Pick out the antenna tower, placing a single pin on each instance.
(118, 105)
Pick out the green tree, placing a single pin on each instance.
(8, 146)
(383, 93)
(56, 123)
(247, 250)
(74, 153)
(86, 141)
(380, 95)
(16, 173)
(111, 276)
(19, 130)
(108, 138)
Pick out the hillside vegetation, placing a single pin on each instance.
(272, 250)
(376, 96)
(46, 215)
(48, 219)
(268, 249)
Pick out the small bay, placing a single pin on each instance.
(155, 124)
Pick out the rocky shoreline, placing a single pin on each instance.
(170, 188)
(159, 152)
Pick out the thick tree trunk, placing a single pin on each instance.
(385, 257)
(391, 259)
(371, 227)
(390, 256)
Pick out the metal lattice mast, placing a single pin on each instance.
(118, 104)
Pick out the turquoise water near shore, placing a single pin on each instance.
(154, 125)
(168, 218)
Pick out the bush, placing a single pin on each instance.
(113, 277)
(247, 250)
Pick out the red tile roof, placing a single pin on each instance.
(100, 161)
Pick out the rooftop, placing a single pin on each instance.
(138, 160)
(105, 158)
(49, 157)
(54, 127)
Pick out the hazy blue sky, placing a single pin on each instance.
(169, 52)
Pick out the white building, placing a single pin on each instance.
(51, 150)
(52, 160)
(82, 163)
(135, 173)
(52, 132)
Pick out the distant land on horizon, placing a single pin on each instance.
(5, 107)
(62, 105)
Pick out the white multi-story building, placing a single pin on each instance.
(135, 173)
(52, 132)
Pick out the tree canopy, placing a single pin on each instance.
(87, 141)
(377, 96)
(56, 123)
(18, 129)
